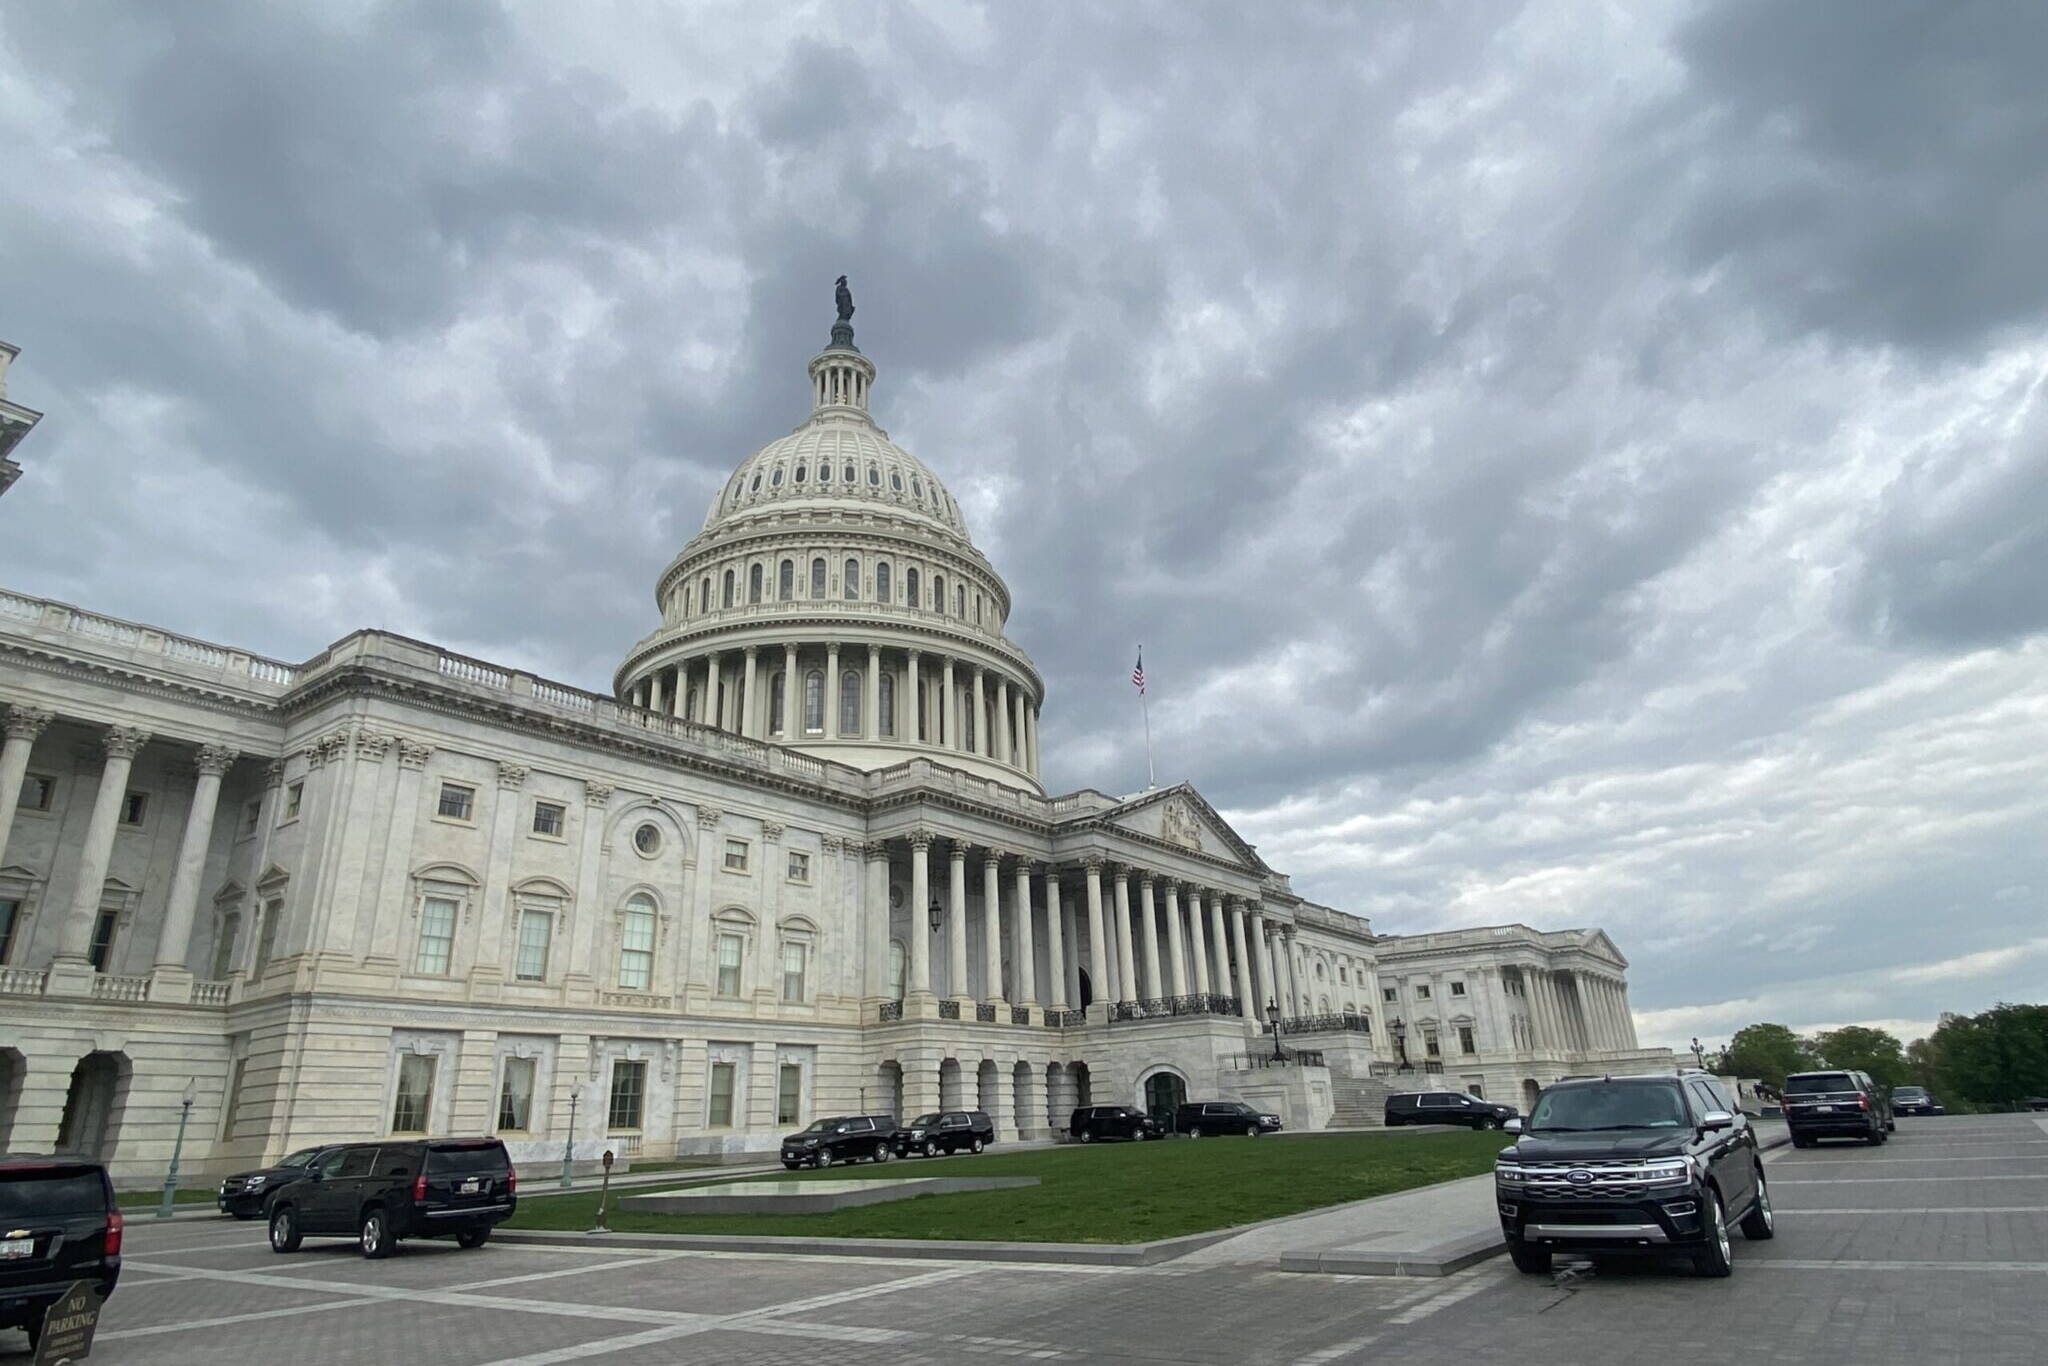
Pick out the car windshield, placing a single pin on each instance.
(823, 1126)
(924, 1121)
(480, 1158)
(302, 1158)
(39, 1192)
(1584, 1109)
(1910, 1093)
(1819, 1083)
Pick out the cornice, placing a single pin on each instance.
(901, 630)
(188, 692)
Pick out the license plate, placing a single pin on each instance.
(469, 1187)
(17, 1247)
(1825, 1109)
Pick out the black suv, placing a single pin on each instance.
(378, 1193)
(58, 1225)
(1632, 1165)
(1836, 1104)
(1091, 1122)
(244, 1193)
(945, 1131)
(1915, 1100)
(1446, 1107)
(841, 1138)
(1199, 1119)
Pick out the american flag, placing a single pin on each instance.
(1138, 673)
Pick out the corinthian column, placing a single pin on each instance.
(121, 744)
(1026, 940)
(1198, 942)
(175, 941)
(1055, 943)
(920, 934)
(1176, 943)
(1126, 963)
(1247, 985)
(956, 924)
(992, 927)
(1098, 942)
(23, 725)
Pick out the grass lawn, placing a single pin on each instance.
(151, 1199)
(1100, 1193)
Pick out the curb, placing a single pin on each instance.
(902, 1249)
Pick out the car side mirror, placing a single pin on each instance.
(1511, 1126)
(1716, 1119)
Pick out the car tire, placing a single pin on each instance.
(1254, 1132)
(1760, 1225)
(373, 1236)
(1488, 1123)
(791, 1166)
(1714, 1259)
(1195, 1131)
(931, 1148)
(1533, 1261)
(473, 1237)
(284, 1229)
(882, 1154)
(1799, 1142)
(975, 1145)
(822, 1160)
(1086, 1136)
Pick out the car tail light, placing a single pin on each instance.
(419, 1186)
(1863, 1102)
(511, 1179)
(114, 1224)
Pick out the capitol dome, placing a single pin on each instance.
(834, 603)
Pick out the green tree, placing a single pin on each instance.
(1766, 1052)
(1996, 1059)
(1863, 1049)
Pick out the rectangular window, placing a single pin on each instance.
(789, 1091)
(437, 936)
(1429, 1045)
(793, 956)
(134, 807)
(535, 929)
(266, 942)
(799, 867)
(1457, 988)
(1465, 1043)
(549, 818)
(636, 951)
(629, 1080)
(103, 939)
(730, 950)
(10, 921)
(37, 792)
(1390, 994)
(415, 1094)
(1422, 993)
(735, 856)
(252, 815)
(515, 1096)
(721, 1095)
(457, 801)
(223, 945)
(233, 1103)
(294, 798)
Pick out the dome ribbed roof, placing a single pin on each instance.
(838, 460)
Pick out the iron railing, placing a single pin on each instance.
(1020, 1015)
(1320, 1024)
(984, 1012)
(1066, 1019)
(949, 1010)
(1252, 1062)
(890, 1011)
(1167, 1006)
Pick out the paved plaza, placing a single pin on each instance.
(1931, 1249)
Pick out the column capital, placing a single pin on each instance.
(25, 723)
(597, 794)
(957, 850)
(372, 745)
(216, 759)
(412, 753)
(1092, 863)
(1146, 880)
(875, 851)
(753, 651)
(995, 857)
(830, 844)
(512, 776)
(708, 817)
(123, 742)
(921, 840)
(832, 649)
(273, 774)
(771, 832)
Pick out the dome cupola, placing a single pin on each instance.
(834, 602)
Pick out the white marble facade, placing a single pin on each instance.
(798, 862)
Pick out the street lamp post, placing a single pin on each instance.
(163, 1211)
(1273, 1014)
(1699, 1055)
(569, 1142)
(1400, 1031)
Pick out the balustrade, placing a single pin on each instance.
(890, 1012)
(1168, 1006)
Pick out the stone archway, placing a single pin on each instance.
(1082, 1083)
(988, 1084)
(1165, 1092)
(89, 1128)
(1027, 1102)
(1530, 1090)
(13, 1071)
(1087, 990)
(888, 1095)
(950, 1096)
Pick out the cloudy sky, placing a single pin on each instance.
(1569, 464)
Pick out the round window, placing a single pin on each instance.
(647, 839)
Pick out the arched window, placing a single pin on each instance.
(882, 581)
(690, 706)
(850, 582)
(753, 583)
(729, 584)
(967, 722)
(800, 471)
(938, 592)
(977, 609)
(959, 601)
(704, 595)
(785, 581)
(775, 479)
(874, 477)
(814, 703)
(824, 471)
(910, 586)
(848, 471)
(924, 708)
(777, 696)
(818, 577)
(849, 702)
(886, 720)
(636, 944)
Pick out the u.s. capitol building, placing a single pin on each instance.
(797, 862)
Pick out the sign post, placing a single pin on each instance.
(604, 1191)
(69, 1325)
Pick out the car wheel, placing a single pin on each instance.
(1715, 1259)
(883, 1154)
(1489, 1123)
(1760, 1224)
(1535, 1261)
(791, 1166)
(822, 1160)
(975, 1146)
(284, 1229)
(473, 1237)
(1087, 1136)
(931, 1148)
(375, 1235)
(1195, 1132)
(1254, 1131)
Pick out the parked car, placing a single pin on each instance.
(1915, 1100)
(1632, 1165)
(1836, 1104)
(58, 1225)
(244, 1193)
(841, 1138)
(1091, 1122)
(1199, 1119)
(379, 1193)
(1446, 1107)
(2036, 1102)
(945, 1131)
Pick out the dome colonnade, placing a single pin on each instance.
(834, 602)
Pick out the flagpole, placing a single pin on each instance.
(1145, 708)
